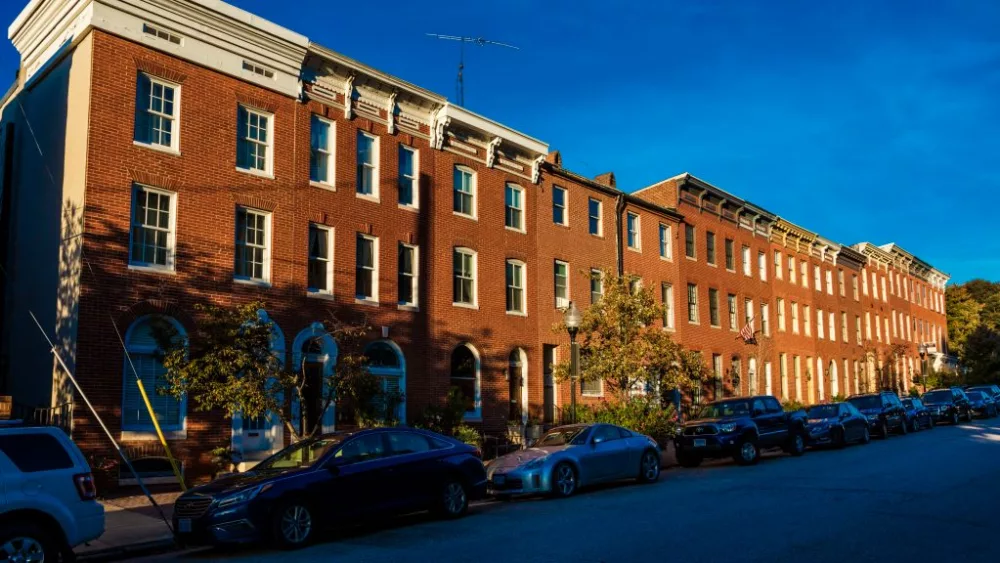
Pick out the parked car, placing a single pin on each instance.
(917, 414)
(992, 389)
(47, 495)
(982, 404)
(569, 457)
(837, 424)
(883, 410)
(741, 428)
(948, 405)
(336, 478)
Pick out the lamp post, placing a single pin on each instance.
(923, 365)
(572, 319)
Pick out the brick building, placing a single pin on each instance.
(184, 151)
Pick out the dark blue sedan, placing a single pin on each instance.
(917, 414)
(337, 478)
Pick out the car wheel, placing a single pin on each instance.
(689, 460)
(930, 423)
(796, 444)
(293, 525)
(28, 543)
(903, 428)
(954, 418)
(883, 430)
(563, 480)
(916, 424)
(968, 415)
(453, 500)
(866, 438)
(649, 467)
(747, 452)
(838, 439)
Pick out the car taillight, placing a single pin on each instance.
(85, 486)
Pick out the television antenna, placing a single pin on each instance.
(480, 41)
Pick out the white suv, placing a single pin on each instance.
(47, 495)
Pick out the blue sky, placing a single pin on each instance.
(860, 120)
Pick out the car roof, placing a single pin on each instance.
(19, 428)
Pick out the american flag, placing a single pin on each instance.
(746, 333)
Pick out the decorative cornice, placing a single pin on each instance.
(536, 169)
(491, 151)
(348, 96)
(390, 111)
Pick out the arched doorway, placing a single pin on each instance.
(517, 379)
(466, 376)
(314, 354)
(386, 361)
(834, 381)
(255, 438)
(752, 377)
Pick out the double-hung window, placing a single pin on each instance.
(515, 287)
(710, 247)
(747, 267)
(321, 139)
(791, 269)
(730, 259)
(407, 288)
(152, 234)
(666, 248)
(829, 282)
(762, 266)
(803, 273)
(409, 189)
(806, 322)
(514, 207)
(596, 286)
(778, 270)
(820, 327)
(667, 297)
(840, 283)
(594, 220)
(320, 275)
(817, 281)
(692, 302)
(366, 268)
(831, 318)
(253, 240)
(157, 112)
(689, 242)
(795, 317)
(843, 327)
(561, 284)
(254, 140)
(713, 307)
(731, 302)
(464, 280)
(632, 231)
(464, 201)
(559, 216)
(780, 306)
(367, 158)
(765, 319)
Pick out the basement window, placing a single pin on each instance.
(161, 34)
(257, 69)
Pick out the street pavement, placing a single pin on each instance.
(928, 497)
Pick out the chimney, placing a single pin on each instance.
(608, 179)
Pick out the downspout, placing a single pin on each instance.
(619, 208)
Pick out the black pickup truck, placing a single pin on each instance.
(740, 428)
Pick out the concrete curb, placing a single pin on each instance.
(142, 549)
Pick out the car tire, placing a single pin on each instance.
(903, 428)
(30, 541)
(968, 415)
(293, 525)
(649, 466)
(685, 459)
(930, 423)
(883, 430)
(564, 480)
(838, 439)
(453, 499)
(796, 444)
(866, 438)
(747, 452)
(916, 425)
(954, 418)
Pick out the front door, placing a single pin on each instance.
(313, 393)
(549, 396)
(256, 434)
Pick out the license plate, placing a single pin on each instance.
(699, 442)
(184, 525)
(499, 479)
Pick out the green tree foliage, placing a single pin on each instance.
(963, 315)
(974, 328)
(623, 344)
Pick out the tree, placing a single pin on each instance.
(963, 315)
(235, 366)
(981, 354)
(622, 345)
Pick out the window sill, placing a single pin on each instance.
(365, 301)
(517, 314)
(667, 258)
(368, 197)
(696, 323)
(257, 173)
(464, 216)
(669, 329)
(320, 295)
(597, 235)
(410, 208)
(711, 265)
(158, 148)
(150, 435)
(715, 326)
(465, 305)
(635, 249)
(691, 258)
(152, 269)
(410, 308)
(323, 185)
(731, 270)
(519, 231)
(248, 281)
(592, 395)
(563, 225)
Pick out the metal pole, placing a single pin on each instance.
(574, 366)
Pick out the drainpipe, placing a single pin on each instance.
(619, 209)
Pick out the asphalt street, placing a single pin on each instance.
(926, 497)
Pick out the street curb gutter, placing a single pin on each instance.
(142, 549)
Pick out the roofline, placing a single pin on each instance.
(629, 197)
(673, 213)
(326, 52)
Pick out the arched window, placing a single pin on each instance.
(386, 361)
(465, 377)
(142, 344)
(381, 354)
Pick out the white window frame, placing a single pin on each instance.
(266, 267)
(473, 188)
(268, 170)
(668, 302)
(765, 319)
(857, 329)
(762, 265)
(565, 206)
(599, 276)
(745, 256)
(327, 152)
(638, 231)
(588, 393)
(373, 165)
(804, 273)
(868, 325)
(560, 302)
(733, 311)
(329, 234)
(843, 327)
(175, 118)
(522, 209)
(791, 269)
(806, 320)
(475, 277)
(820, 325)
(831, 321)
(600, 217)
(366, 299)
(414, 180)
(854, 287)
(829, 282)
(689, 302)
(414, 278)
(878, 327)
(780, 311)
(795, 317)
(171, 230)
(874, 285)
(817, 278)
(779, 272)
(864, 283)
(666, 242)
(885, 298)
(895, 333)
(522, 281)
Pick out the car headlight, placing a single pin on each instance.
(727, 428)
(242, 497)
(873, 417)
(535, 463)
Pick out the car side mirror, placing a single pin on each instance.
(594, 441)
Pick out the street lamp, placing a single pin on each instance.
(923, 364)
(572, 319)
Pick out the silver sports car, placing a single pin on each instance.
(574, 456)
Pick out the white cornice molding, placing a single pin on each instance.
(491, 129)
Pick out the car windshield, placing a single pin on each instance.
(302, 454)
(937, 397)
(824, 411)
(727, 408)
(867, 402)
(983, 390)
(560, 436)
(975, 396)
(908, 403)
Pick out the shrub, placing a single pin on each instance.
(838, 398)
(791, 405)
(469, 435)
(640, 414)
(447, 418)
(914, 393)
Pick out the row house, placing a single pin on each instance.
(184, 152)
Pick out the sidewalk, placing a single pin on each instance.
(133, 527)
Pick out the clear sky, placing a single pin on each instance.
(860, 120)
